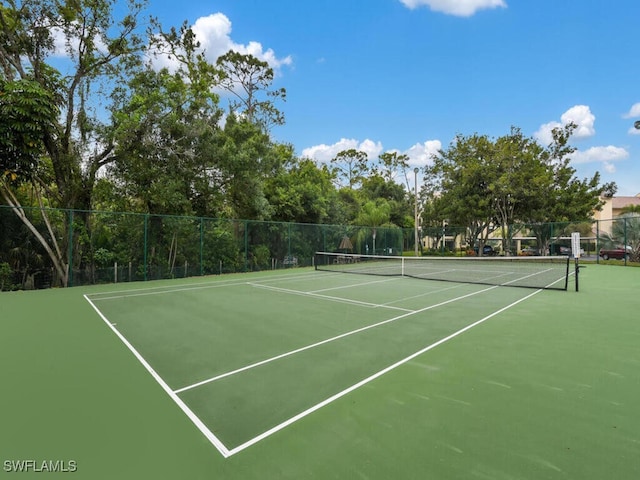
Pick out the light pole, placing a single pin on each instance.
(415, 213)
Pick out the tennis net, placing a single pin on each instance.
(548, 272)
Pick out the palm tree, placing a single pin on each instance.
(630, 209)
(625, 231)
(373, 214)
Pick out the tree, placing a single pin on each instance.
(166, 127)
(519, 176)
(28, 112)
(483, 184)
(393, 163)
(631, 209)
(246, 78)
(303, 193)
(458, 183)
(76, 146)
(246, 158)
(557, 195)
(351, 166)
(401, 209)
(375, 215)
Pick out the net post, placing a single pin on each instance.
(577, 267)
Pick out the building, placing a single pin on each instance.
(613, 206)
(612, 209)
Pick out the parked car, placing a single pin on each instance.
(529, 251)
(619, 253)
(562, 250)
(487, 251)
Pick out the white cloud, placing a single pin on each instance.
(325, 153)
(214, 34)
(371, 148)
(633, 112)
(633, 131)
(579, 114)
(605, 155)
(420, 154)
(460, 8)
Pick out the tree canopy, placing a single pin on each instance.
(483, 184)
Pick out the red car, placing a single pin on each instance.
(618, 253)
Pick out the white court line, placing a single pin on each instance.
(175, 290)
(369, 379)
(188, 287)
(432, 292)
(328, 340)
(326, 297)
(356, 285)
(209, 435)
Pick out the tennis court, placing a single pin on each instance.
(319, 374)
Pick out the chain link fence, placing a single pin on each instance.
(105, 247)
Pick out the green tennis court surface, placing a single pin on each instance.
(305, 374)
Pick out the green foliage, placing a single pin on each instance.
(103, 257)
(222, 253)
(458, 184)
(6, 276)
(391, 164)
(303, 193)
(626, 231)
(28, 113)
(486, 184)
(250, 80)
(351, 167)
(260, 257)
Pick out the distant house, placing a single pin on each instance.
(612, 209)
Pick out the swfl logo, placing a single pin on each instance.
(61, 466)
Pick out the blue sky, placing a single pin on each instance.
(408, 75)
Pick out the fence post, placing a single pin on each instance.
(146, 221)
(201, 246)
(324, 238)
(246, 245)
(625, 241)
(70, 252)
(597, 252)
